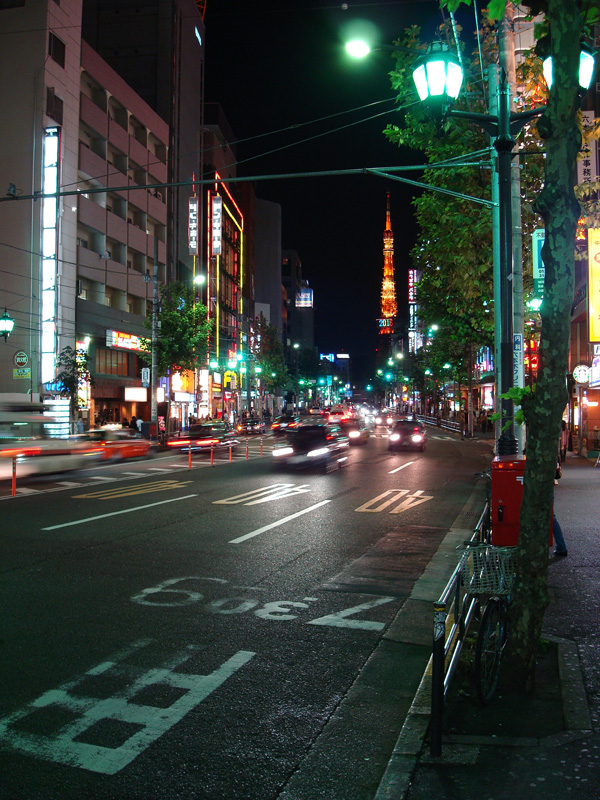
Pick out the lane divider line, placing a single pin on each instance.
(408, 463)
(116, 513)
(279, 522)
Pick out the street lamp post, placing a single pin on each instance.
(7, 324)
(438, 82)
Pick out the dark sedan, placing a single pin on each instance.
(250, 425)
(313, 446)
(284, 423)
(205, 436)
(409, 434)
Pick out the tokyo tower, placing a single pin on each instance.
(389, 309)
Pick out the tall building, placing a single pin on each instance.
(389, 308)
(157, 47)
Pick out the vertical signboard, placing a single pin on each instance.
(594, 284)
(539, 270)
(49, 248)
(587, 168)
(193, 226)
(217, 224)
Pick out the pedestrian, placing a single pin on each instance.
(138, 424)
(124, 423)
(133, 424)
(560, 548)
(79, 425)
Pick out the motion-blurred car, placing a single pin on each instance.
(119, 443)
(356, 430)
(205, 436)
(284, 423)
(336, 414)
(384, 418)
(407, 433)
(250, 425)
(316, 411)
(313, 446)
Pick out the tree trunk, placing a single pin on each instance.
(557, 204)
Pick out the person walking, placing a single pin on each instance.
(560, 548)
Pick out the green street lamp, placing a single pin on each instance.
(438, 77)
(7, 324)
(587, 63)
(214, 365)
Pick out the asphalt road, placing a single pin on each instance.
(176, 633)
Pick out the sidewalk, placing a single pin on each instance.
(546, 747)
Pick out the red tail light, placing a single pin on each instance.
(178, 443)
(207, 441)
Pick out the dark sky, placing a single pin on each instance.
(273, 64)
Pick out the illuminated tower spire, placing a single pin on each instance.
(389, 309)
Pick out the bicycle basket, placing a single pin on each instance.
(486, 569)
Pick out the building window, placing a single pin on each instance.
(111, 362)
(56, 49)
(54, 105)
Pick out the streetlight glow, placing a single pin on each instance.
(357, 48)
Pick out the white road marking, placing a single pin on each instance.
(70, 484)
(278, 523)
(159, 469)
(265, 494)
(26, 490)
(103, 479)
(116, 513)
(392, 494)
(134, 474)
(340, 618)
(411, 501)
(140, 723)
(402, 466)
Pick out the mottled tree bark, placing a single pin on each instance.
(560, 210)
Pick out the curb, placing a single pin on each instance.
(459, 749)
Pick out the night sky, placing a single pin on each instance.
(273, 65)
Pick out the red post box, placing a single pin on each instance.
(507, 493)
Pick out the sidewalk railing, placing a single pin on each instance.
(452, 616)
(440, 422)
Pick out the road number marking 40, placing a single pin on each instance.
(278, 610)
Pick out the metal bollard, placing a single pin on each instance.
(190, 455)
(246, 447)
(261, 440)
(14, 476)
(212, 453)
(437, 679)
(230, 449)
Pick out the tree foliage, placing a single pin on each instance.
(268, 351)
(74, 374)
(182, 336)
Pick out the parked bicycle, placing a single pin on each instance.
(488, 573)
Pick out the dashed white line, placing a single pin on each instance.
(278, 523)
(408, 463)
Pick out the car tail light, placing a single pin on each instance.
(207, 441)
(274, 426)
(178, 443)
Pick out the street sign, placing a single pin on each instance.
(539, 270)
(146, 376)
(21, 359)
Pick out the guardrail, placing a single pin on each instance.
(439, 422)
(460, 607)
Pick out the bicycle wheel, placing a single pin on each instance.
(491, 639)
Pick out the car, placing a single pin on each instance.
(205, 436)
(336, 414)
(356, 430)
(250, 425)
(282, 424)
(315, 411)
(118, 443)
(385, 418)
(408, 433)
(311, 445)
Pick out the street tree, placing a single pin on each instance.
(73, 375)
(566, 23)
(268, 351)
(183, 330)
